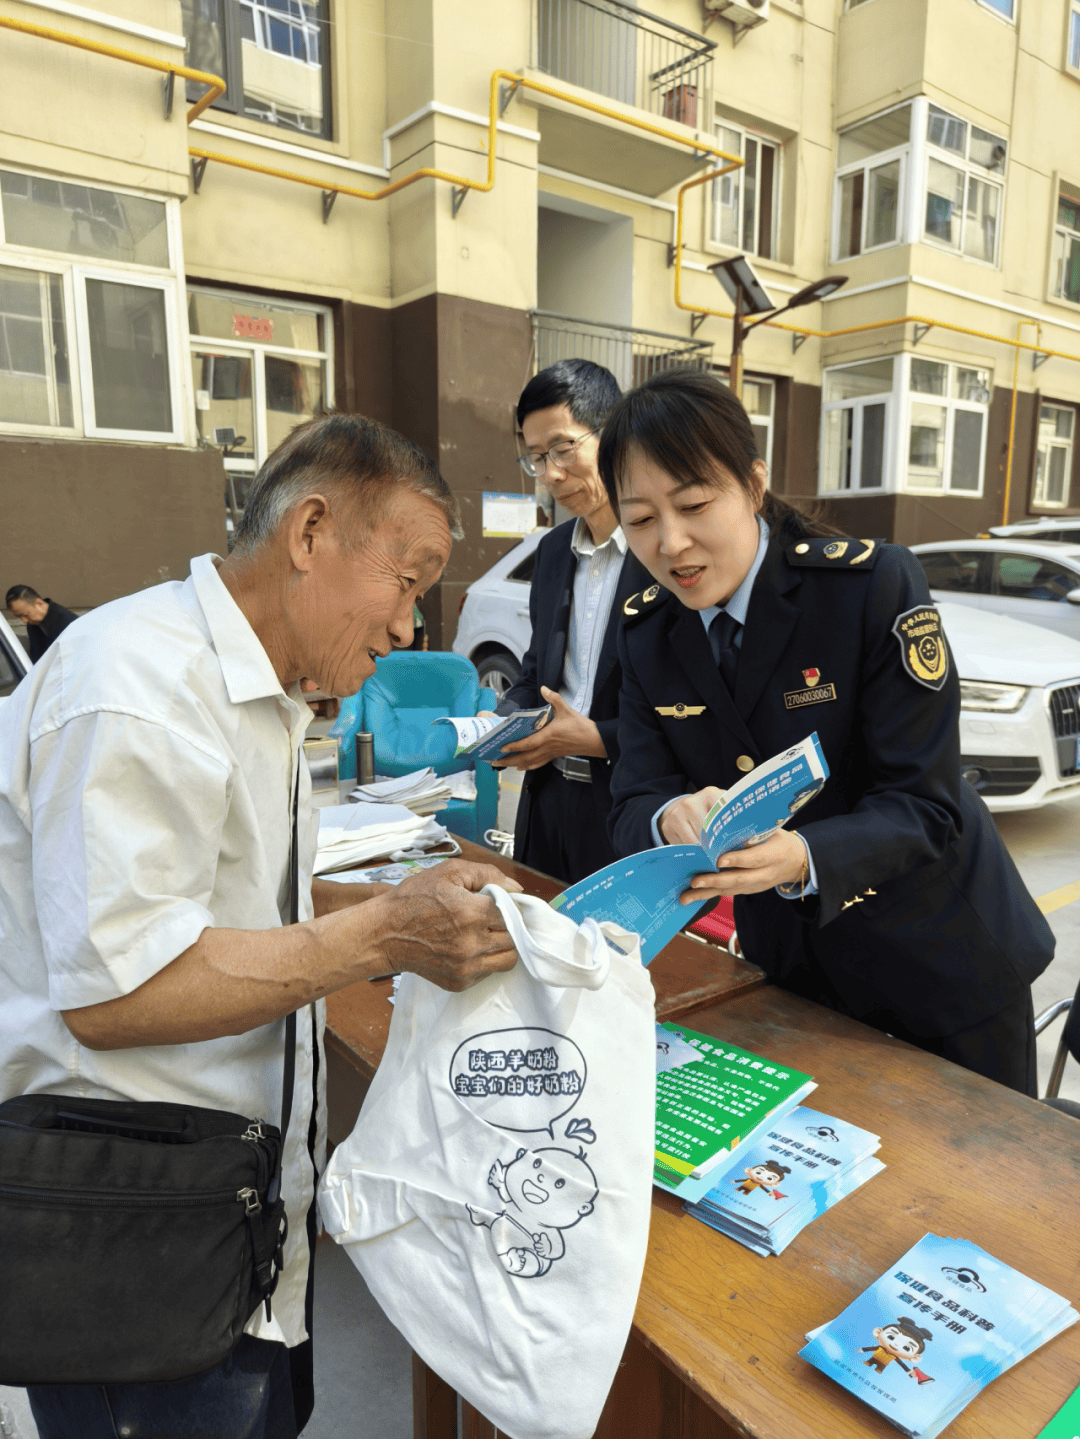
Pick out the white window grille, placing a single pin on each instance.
(90, 317)
(1067, 244)
(1054, 456)
(746, 203)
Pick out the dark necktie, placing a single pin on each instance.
(722, 635)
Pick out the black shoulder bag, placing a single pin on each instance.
(136, 1240)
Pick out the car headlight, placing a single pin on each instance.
(1000, 699)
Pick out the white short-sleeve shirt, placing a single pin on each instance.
(146, 776)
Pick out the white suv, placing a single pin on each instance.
(494, 628)
(14, 661)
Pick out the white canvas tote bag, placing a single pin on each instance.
(495, 1191)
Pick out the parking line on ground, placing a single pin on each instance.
(1058, 898)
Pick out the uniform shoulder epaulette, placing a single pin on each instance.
(834, 554)
(643, 602)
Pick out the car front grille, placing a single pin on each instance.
(1065, 710)
(1065, 718)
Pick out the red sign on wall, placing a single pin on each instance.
(247, 327)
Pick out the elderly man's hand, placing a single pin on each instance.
(446, 933)
(462, 872)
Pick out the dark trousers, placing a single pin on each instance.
(248, 1396)
(1001, 1047)
(565, 828)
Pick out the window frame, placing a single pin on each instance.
(75, 270)
(1063, 504)
(1057, 229)
(19, 261)
(898, 402)
(713, 243)
(971, 170)
(857, 404)
(1072, 25)
(989, 6)
(232, 101)
(258, 350)
(874, 162)
(910, 397)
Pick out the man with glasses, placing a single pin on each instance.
(582, 577)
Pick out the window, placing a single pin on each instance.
(946, 426)
(855, 417)
(1027, 577)
(940, 408)
(272, 54)
(1072, 40)
(88, 310)
(35, 381)
(260, 367)
(746, 203)
(870, 161)
(963, 201)
(1007, 8)
(1067, 241)
(963, 572)
(1054, 455)
(759, 401)
(523, 571)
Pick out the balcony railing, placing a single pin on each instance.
(617, 50)
(631, 355)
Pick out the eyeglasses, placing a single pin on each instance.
(562, 454)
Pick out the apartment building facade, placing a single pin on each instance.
(176, 293)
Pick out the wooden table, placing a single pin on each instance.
(687, 975)
(714, 1347)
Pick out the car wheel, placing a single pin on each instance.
(498, 672)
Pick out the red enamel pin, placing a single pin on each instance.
(811, 677)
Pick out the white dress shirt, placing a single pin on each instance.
(146, 775)
(595, 582)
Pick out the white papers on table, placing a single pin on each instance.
(351, 834)
(422, 791)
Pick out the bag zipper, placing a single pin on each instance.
(137, 1201)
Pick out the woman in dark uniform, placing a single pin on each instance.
(890, 896)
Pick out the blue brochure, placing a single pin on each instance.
(945, 1320)
(767, 1191)
(483, 736)
(641, 893)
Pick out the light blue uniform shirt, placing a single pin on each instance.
(737, 607)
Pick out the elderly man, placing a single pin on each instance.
(146, 783)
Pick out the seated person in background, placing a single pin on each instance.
(44, 619)
(581, 580)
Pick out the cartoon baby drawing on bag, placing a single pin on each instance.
(544, 1192)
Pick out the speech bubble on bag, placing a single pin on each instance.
(521, 1079)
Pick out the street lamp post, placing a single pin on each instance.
(749, 296)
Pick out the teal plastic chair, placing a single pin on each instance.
(398, 704)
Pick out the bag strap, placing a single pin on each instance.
(289, 1079)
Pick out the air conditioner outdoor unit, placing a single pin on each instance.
(743, 14)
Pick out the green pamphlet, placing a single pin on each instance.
(1066, 1422)
(711, 1096)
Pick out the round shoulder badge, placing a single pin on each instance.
(923, 649)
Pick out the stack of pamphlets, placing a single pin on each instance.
(352, 834)
(384, 874)
(798, 1166)
(422, 791)
(483, 736)
(945, 1320)
(641, 893)
(710, 1097)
